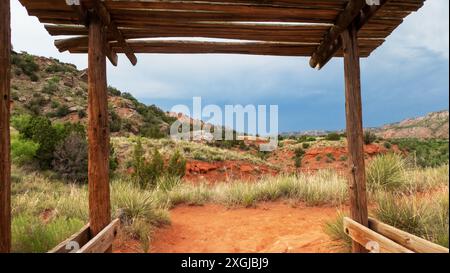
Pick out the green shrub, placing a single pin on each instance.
(62, 110)
(155, 166)
(54, 104)
(424, 217)
(369, 137)
(424, 153)
(70, 158)
(115, 122)
(20, 122)
(298, 156)
(113, 160)
(114, 91)
(82, 113)
(40, 130)
(141, 175)
(386, 172)
(387, 145)
(23, 151)
(305, 145)
(333, 137)
(50, 87)
(26, 64)
(177, 165)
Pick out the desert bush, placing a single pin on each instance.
(369, 137)
(115, 122)
(177, 165)
(334, 228)
(70, 158)
(23, 151)
(40, 130)
(155, 166)
(20, 122)
(138, 163)
(306, 145)
(146, 173)
(113, 160)
(62, 110)
(31, 235)
(298, 156)
(424, 153)
(333, 137)
(50, 87)
(26, 64)
(166, 183)
(386, 172)
(114, 91)
(82, 113)
(425, 217)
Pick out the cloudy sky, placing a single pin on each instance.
(406, 77)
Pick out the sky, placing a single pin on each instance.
(407, 76)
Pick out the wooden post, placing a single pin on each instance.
(5, 160)
(353, 109)
(98, 129)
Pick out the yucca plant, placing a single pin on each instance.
(386, 172)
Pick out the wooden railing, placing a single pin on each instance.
(83, 242)
(382, 238)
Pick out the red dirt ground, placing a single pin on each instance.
(210, 172)
(270, 227)
(313, 160)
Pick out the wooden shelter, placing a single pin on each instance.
(319, 29)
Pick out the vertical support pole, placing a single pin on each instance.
(353, 109)
(98, 129)
(5, 157)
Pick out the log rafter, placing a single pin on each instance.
(98, 7)
(357, 13)
(315, 25)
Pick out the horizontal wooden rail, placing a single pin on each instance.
(102, 241)
(405, 239)
(73, 242)
(82, 241)
(370, 239)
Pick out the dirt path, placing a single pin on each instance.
(271, 227)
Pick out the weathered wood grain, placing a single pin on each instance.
(354, 131)
(98, 130)
(5, 157)
(370, 240)
(80, 238)
(102, 242)
(410, 241)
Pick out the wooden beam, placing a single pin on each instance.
(329, 47)
(105, 17)
(5, 157)
(344, 19)
(102, 242)
(354, 130)
(410, 241)
(98, 130)
(80, 238)
(370, 240)
(66, 44)
(304, 33)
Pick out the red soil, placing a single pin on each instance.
(271, 227)
(313, 160)
(209, 172)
